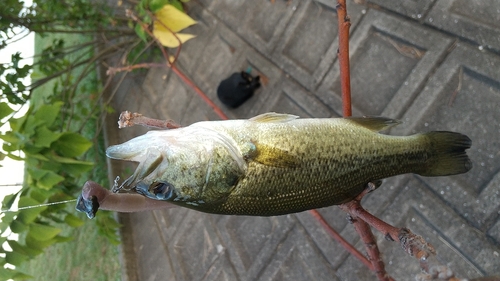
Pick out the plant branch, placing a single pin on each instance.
(344, 23)
(361, 227)
(333, 233)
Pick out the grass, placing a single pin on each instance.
(90, 255)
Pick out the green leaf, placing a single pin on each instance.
(15, 258)
(155, 5)
(28, 216)
(41, 232)
(10, 137)
(5, 222)
(73, 220)
(6, 273)
(5, 110)
(36, 173)
(9, 200)
(71, 145)
(49, 180)
(30, 126)
(47, 113)
(62, 239)
(44, 137)
(29, 148)
(18, 227)
(177, 5)
(72, 166)
(140, 32)
(45, 179)
(39, 195)
(17, 123)
(37, 244)
(13, 156)
(37, 156)
(16, 247)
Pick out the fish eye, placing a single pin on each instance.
(162, 190)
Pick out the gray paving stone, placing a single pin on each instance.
(309, 44)
(195, 247)
(457, 243)
(390, 59)
(476, 20)
(463, 95)
(204, 30)
(332, 251)
(400, 69)
(291, 98)
(409, 8)
(167, 91)
(152, 259)
(297, 261)
(494, 233)
(261, 24)
(252, 241)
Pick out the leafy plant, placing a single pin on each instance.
(59, 134)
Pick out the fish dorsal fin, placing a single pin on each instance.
(273, 117)
(374, 123)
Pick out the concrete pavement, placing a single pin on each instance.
(433, 64)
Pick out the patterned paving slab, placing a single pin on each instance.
(390, 59)
(403, 66)
(464, 95)
(477, 20)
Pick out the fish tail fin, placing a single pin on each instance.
(449, 156)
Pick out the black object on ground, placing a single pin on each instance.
(238, 88)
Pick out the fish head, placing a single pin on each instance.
(177, 165)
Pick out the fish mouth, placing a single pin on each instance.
(144, 169)
(149, 160)
(146, 150)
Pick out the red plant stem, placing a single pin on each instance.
(354, 208)
(362, 228)
(372, 250)
(343, 53)
(341, 239)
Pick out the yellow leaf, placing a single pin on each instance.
(168, 39)
(172, 18)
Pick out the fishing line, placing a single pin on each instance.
(37, 206)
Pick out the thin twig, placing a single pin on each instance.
(459, 87)
(334, 234)
(129, 119)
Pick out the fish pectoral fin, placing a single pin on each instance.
(374, 185)
(273, 117)
(275, 157)
(374, 123)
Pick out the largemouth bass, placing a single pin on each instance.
(275, 164)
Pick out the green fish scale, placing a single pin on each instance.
(326, 175)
